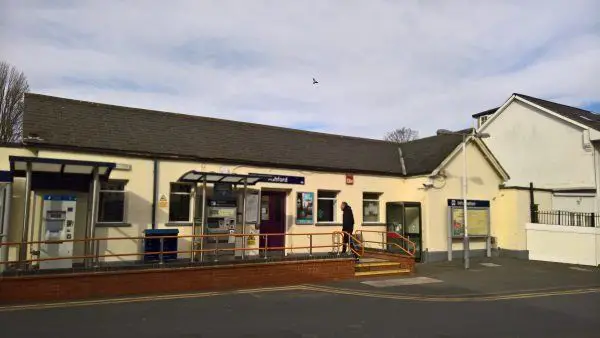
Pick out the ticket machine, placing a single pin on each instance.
(220, 220)
(58, 225)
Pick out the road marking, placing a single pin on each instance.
(479, 298)
(140, 299)
(313, 288)
(579, 269)
(401, 281)
(490, 265)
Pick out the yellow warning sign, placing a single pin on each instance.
(251, 240)
(163, 202)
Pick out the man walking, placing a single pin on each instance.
(347, 224)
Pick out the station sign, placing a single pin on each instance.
(470, 203)
(282, 179)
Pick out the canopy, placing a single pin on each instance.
(213, 177)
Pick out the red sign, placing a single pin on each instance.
(349, 179)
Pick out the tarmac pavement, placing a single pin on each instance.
(510, 298)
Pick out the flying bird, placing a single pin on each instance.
(315, 81)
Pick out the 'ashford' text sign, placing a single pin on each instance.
(283, 179)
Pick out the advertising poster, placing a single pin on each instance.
(304, 208)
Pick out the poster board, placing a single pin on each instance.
(252, 202)
(477, 222)
(478, 217)
(305, 208)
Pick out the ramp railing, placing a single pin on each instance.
(106, 250)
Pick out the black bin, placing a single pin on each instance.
(153, 244)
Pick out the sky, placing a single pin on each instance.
(381, 64)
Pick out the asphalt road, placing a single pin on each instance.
(309, 313)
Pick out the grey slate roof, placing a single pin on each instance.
(585, 117)
(487, 112)
(99, 127)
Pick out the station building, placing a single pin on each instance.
(94, 170)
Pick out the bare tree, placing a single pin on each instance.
(402, 135)
(13, 86)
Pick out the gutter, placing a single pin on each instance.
(191, 158)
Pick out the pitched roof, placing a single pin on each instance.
(579, 115)
(93, 126)
(487, 112)
(585, 117)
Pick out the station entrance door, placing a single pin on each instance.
(404, 218)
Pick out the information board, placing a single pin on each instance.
(252, 208)
(478, 216)
(478, 222)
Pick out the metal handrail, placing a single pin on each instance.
(353, 239)
(412, 247)
(215, 250)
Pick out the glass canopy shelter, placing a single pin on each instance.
(59, 174)
(205, 178)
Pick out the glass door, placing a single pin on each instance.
(412, 229)
(404, 218)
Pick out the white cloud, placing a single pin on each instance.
(381, 64)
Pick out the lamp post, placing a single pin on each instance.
(465, 136)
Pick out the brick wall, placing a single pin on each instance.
(159, 281)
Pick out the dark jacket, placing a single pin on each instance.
(348, 219)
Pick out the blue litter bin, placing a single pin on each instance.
(153, 244)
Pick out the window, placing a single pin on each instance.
(111, 207)
(483, 119)
(370, 207)
(179, 202)
(326, 203)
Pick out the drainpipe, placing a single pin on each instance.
(154, 193)
(532, 208)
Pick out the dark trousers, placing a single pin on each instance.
(346, 239)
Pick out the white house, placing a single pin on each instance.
(551, 145)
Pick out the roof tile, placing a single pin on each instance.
(88, 125)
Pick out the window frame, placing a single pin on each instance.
(378, 200)
(334, 206)
(104, 191)
(190, 206)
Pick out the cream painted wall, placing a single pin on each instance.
(512, 214)
(389, 188)
(536, 147)
(483, 184)
(564, 244)
(574, 203)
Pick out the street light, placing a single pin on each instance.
(474, 134)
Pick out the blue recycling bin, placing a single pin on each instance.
(153, 244)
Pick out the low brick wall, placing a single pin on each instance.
(31, 289)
